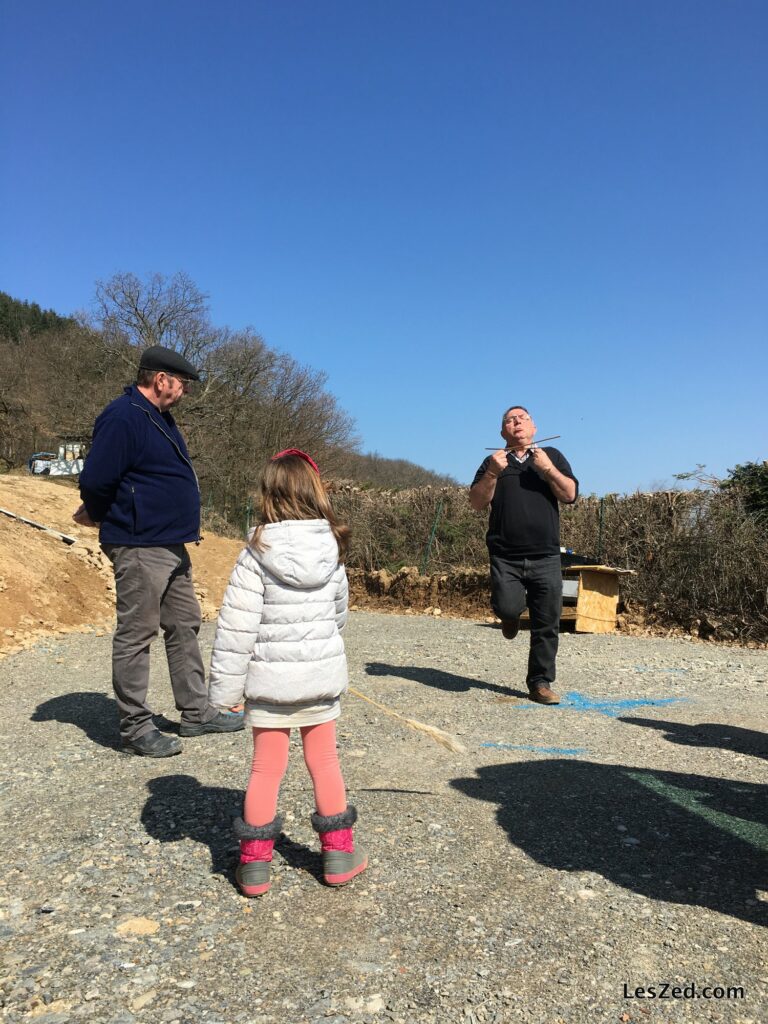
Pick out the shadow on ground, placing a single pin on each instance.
(676, 837)
(446, 681)
(709, 734)
(179, 807)
(94, 713)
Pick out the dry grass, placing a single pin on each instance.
(445, 739)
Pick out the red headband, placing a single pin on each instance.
(301, 455)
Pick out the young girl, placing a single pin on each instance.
(278, 644)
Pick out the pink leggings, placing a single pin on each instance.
(270, 760)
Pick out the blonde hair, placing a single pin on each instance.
(291, 489)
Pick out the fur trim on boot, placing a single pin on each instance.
(334, 822)
(271, 830)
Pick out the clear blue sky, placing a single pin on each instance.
(447, 206)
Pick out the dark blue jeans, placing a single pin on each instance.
(537, 583)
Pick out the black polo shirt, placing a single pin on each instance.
(525, 518)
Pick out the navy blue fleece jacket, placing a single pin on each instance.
(138, 481)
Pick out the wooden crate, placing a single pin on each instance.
(598, 597)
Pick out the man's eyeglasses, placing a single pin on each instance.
(185, 382)
(514, 419)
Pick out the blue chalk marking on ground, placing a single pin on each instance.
(567, 751)
(613, 708)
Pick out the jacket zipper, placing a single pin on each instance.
(182, 456)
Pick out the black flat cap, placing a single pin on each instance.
(159, 358)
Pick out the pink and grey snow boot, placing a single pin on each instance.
(341, 861)
(256, 844)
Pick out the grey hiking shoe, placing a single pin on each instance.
(224, 721)
(153, 744)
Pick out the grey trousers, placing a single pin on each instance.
(154, 591)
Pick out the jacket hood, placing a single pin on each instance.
(300, 552)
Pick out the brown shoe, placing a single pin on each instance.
(510, 628)
(543, 695)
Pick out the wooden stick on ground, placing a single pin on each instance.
(438, 735)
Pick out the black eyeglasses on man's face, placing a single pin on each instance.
(186, 382)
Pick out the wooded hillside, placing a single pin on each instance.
(57, 373)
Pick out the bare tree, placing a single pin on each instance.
(156, 311)
(255, 402)
(53, 383)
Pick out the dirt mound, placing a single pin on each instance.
(48, 586)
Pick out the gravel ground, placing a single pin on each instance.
(572, 856)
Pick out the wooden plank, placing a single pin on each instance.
(598, 599)
(568, 614)
(608, 569)
(39, 526)
(597, 603)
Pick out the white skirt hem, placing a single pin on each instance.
(286, 716)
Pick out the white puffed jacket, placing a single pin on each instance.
(278, 636)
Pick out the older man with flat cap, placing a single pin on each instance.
(138, 486)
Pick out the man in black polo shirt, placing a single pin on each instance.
(523, 486)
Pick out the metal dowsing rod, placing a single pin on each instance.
(539, 440)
